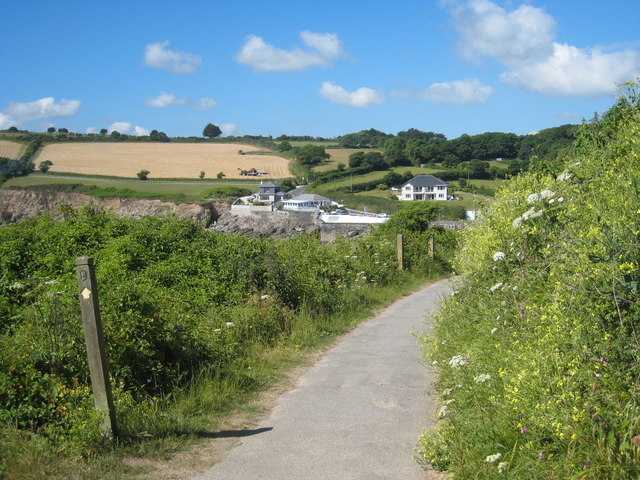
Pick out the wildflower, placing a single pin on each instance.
(547, 194)
(585, 467)
(447, 392)
(456, 361)
(443, 411)
(566, 175)
(217, 330)
(541, 454)
(502, 466)
(517, 222)
(524, 431)
(561, 199)
(598, 375)
(494, 330)
(528, 213)
(534, 197)
(498, 256)
(493, 458)
(264, 297)
(229, 324)
(495, 287)
(16, 286)
(483, 377)
(602, 359)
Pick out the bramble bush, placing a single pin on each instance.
(538, 348)
(177, 302)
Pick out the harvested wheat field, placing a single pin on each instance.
(163, 160)
(10, 149)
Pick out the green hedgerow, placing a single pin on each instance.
(538, 349)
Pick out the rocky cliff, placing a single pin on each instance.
(16, 205)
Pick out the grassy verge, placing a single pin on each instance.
(208, 405)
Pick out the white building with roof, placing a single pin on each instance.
(424, 187)
(306, 201)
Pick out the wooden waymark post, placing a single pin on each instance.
(400, 247)
(431, 248)
(96, 354)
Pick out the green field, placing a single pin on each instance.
(490, 184)
(467, 200)
(191, 190)
(338, 155)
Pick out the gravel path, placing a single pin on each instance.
(356, 414)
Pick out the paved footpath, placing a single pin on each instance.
(356, 414)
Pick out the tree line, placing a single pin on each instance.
(415, 147)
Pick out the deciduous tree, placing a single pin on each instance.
(211, 131)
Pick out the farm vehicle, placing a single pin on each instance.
(252, 172)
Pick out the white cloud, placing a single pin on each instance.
(229, 129)
(360, 98)
(205, 103)
(522, 35)
(6, 121)
(156, 55)
(322, 50)
(139, 131)
(461, 92)
(43, 108)
(127, 128)
(572, 71)
(523, 40)
(91, 130)
(165, 100)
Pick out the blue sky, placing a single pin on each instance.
(314, 68)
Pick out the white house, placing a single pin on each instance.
(306, 201)
(424, 187)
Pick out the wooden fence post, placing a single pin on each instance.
(431, 248)
(94, 338)
(400, 248)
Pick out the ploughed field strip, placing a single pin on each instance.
(10, 149)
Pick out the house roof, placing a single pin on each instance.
(426, 181)
(268, 185)
(311, 197)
